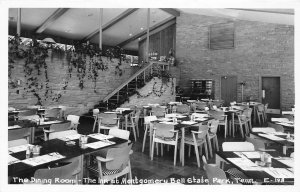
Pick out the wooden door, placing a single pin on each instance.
(228, 89)
(271, 92)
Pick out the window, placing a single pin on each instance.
(221, 36)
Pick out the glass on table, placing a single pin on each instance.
(36, 150)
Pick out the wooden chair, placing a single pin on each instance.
(220, 115)
(158, 111)
(68, 172)
(56, 128)
(259, 144)
(147, 124)
(198, 140)
(278, 128)
(22, 133)
(213, 173)
(95, 115)
(183, 109)
(133, 123)
(212, 135)
(107, 121)
(74, 121)
(112, 163)
(165, 134)
(17, 142)
(237, 146)
(59, 134)
(54, 112)
(260, 114)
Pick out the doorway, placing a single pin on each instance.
(228, 89)
(271, 92)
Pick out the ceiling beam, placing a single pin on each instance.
(284, 11)
(171, 11)
(51, 19)
(112, 22)
(157, 27)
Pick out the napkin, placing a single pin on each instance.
(188, 122)
(100, 136)
(99, 144)
(35, 161)
(50, 122)
(278, 172)
(245, 164)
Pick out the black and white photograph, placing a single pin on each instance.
(152, 97)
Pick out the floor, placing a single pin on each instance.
(161, 168)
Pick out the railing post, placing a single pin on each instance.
(145, 76)
(118, 95)
(136, 82)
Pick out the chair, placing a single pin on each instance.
(213, 173)
(95, 115)
(54, 112)
(112, 163)
(68, 172)
(200, 106)
(212, 135)
(165, 134)
(158, 111)
(278, 128)
(183, 109)
(133, 123)
(241, 121)
(22, 133)
(197, 139)
(237, 146)
(147, 124)
(59, 134)
(123, 134)
(108, 121)
(220, 115)
(17, 142)
(265, 112)
(259, 144)
(260, 113)
(248, 117)
(56, 128)
(263, 129)
(74, 121)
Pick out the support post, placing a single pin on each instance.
(19, 22)
(147, 41)
(100, 28)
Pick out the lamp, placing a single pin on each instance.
(48, 40)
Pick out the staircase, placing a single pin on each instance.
(129, 87)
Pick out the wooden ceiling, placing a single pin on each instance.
(123, 26)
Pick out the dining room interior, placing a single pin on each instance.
(134, 96)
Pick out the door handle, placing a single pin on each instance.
(263, 94)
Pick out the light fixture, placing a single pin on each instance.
(139, 38)
(68, 30)
(48, 40)
(130, 34)
(142, 28)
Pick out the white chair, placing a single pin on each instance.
(165, 134)
(259, 144)
(17, 142)
(123, 134)
(263, 129)
(54, 112)
(74, 121)
(260, 114)
(56, 128)
(67, 172)
(60, 134)
(278, 128)
(212, 135)
(112, 163)
(23, 133)
(108, 121)
(95, 115)
(147, 124)
(237, 146)
(220, 115)
(215, 175)
(197, 139)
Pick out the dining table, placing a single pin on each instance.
(280, 170)
(279, 138)
(55, 151)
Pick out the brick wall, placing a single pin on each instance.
(166, 97)
(261, 49)
(79, 101)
